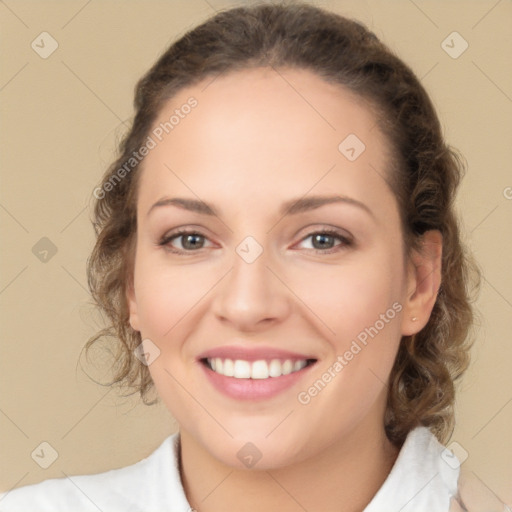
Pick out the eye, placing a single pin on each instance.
(191, 241)
(324, 241)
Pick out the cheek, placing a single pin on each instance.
(166, 293)
(361, 307)
(168, 297)
(350, 298)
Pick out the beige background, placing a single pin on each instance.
(61, 118)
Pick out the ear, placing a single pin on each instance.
(132, 305)
(423, 282)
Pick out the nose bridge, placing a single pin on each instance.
(251, 293)
(250, 266)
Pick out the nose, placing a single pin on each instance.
(252, 296)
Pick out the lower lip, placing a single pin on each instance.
(254, 389)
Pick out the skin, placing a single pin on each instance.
(252, 143)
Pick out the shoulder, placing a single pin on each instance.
(423, 478)
(133, 488)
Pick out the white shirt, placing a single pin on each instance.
(423, 479)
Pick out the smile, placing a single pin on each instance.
(259, 369)
(255, 378)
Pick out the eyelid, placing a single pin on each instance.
(326, 228)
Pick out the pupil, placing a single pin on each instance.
(322, 238)
(188, 238)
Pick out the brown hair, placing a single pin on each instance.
(424, 178)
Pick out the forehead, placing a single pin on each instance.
(265, 131)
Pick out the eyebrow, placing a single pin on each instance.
(290, 207)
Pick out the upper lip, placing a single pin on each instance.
(235, 352)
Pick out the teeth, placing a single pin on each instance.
(275, 370)
(261, 369)
(299, 365)
(242, 369)
(287, 367)
(229, 368)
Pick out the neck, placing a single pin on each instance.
(345, 476)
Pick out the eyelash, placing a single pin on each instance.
(345, 242)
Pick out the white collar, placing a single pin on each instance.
(421, 480)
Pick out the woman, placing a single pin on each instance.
(279, 257)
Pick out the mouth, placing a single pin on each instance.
(257, 370)
(253, 373)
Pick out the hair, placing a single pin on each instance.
(424, 176)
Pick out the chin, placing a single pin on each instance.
(254, 449)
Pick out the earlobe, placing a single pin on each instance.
(423, 283)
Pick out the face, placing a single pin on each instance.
(269, 271)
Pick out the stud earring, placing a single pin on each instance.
(414, 319)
